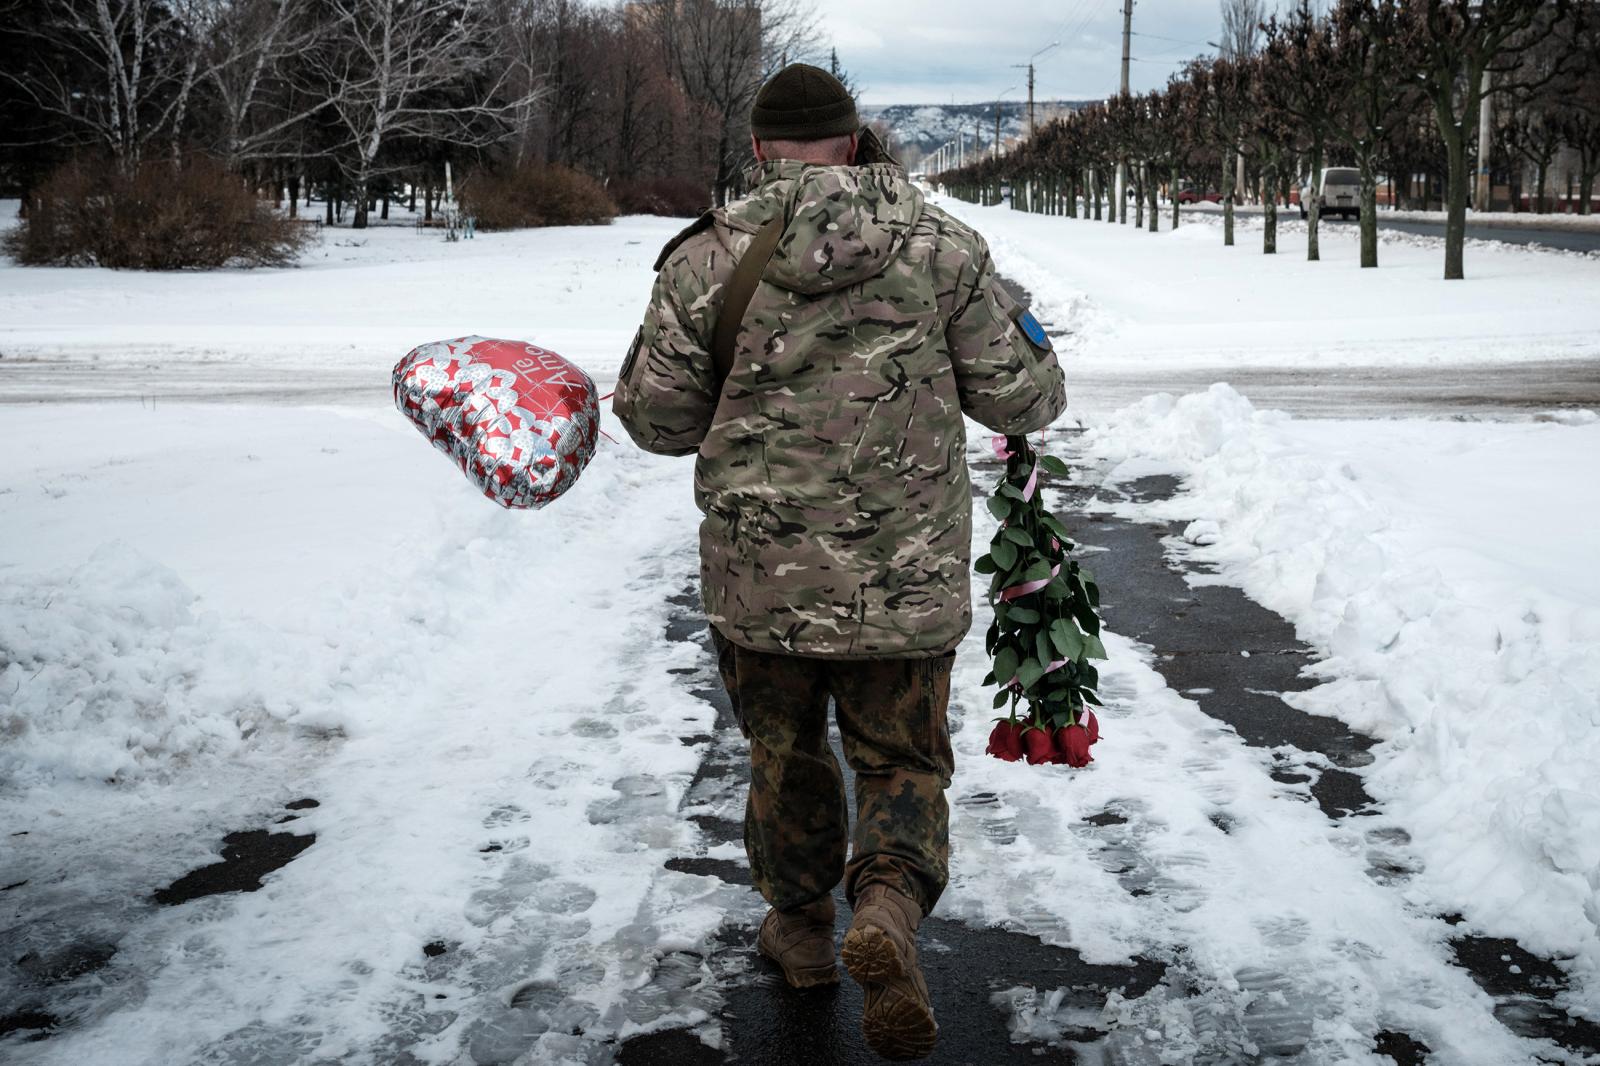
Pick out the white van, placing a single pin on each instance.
(1341, 193)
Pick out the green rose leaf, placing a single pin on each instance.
(1002, 554)
(985, 564)
(1005, 665)
(1054, 465)
(1028, 673)
(1065, 636)
(1000, 698)
(1022, 615)
(1018, 537)
(1093, 649)
(1000, 507)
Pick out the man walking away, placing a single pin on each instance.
(816, 344)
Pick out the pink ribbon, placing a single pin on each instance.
(1000, 449)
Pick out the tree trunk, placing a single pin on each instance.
(1269, 215)
(1155, 206)
(359, 219)
(1539, 184)
(1138, 201)
(1227, 201)
(385, 214)
(1459, 180)
(1586, 192)
(328, 209)
(1314, 212)
(1369, 212)
(294, 196)
(1173, 191)
(427, 201)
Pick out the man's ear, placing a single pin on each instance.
(755, 146)
(855, 145)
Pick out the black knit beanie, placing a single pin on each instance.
(803, 103)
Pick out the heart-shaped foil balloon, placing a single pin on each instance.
(519, 420)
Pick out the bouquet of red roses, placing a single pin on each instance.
(1045, 629)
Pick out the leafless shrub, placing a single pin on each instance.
(158, 217)
(515, 197)
(674, 197)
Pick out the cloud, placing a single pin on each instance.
(936, 51)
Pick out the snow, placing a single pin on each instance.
(1445, 571)
(210, 610)
(439, 674)
(355, 303)
(1180, 298)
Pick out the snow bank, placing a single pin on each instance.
(1446, 571)
(482, 702)
(111, 672)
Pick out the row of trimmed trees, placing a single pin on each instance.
(1385, 86)
(364, 94)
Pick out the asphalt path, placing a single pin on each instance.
(1195, 633)
(1565, 239)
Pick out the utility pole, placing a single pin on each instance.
(997, 131)
(1480, 201)
(1030, 101)
(1029, 65)
(1122, 164)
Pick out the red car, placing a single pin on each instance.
(1188, 194)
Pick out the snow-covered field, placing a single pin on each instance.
(1144, 301)
(208, 611)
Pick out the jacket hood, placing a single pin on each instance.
(844, 224)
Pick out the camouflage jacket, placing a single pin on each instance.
(832, 467)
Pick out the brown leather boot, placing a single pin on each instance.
(880, 951)
(801, 943)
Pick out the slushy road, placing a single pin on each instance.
(1566, 240)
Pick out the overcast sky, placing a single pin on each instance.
(939, 51)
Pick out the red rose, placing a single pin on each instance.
(1005, 742)
(1036, 742)
(1073, 742)
(1090, 721)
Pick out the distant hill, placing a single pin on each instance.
(927, 126)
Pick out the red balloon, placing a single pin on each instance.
(519, 420)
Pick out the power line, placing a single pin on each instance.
(1175, 40)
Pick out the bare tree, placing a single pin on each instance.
(1370, 48)
(1222, 99)
(249, 42)
(114, 76)
(409, 68)
(1458, 42)
(1241, 27)
(1581, 118)
(1270, 134)
(721, 51)
(1300, 51)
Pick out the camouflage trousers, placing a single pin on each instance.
(896, 739)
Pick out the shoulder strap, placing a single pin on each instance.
(688, 231)
(736, 298)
